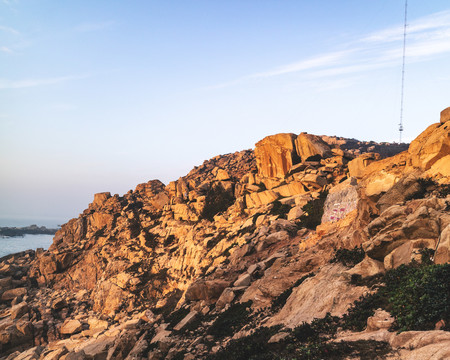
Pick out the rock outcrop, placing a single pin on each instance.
(243, 242)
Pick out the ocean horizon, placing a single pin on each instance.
(51, 223)
(12, 245)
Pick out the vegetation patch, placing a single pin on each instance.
(356, 317)
(231, 320)
(252, 347)
(419, 296)
(318, 328)
(349, 257)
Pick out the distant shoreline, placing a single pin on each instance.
(27, 230)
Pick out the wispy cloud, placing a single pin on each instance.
(308, 64)
(6, 50)
(427, 37)
(27, 83)
(9, 30)
(88, 27)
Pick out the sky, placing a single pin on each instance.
(103, 95)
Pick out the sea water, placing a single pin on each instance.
(11, 245)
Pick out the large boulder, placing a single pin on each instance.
(328, 291)
(308, 145)
(275, 155)
(341, 200)
(357, 166)
(430, 146)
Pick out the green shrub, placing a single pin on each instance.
(313, 212)
(325, 327)
(231, 320)
(349, 257)
(356, 317)
(419, 296)
(252, 347)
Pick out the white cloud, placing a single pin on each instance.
(9, 30)
(6, 50)
(427, 37)
(27, 83)
(308, 64)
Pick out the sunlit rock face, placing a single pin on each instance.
(275, 155)
(244, 241)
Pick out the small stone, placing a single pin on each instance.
(71, 327)
(244, 280)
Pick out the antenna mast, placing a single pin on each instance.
(400, 125)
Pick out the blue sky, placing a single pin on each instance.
(103, 95)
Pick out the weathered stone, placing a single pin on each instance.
(100, 198)
(227, 297)
(328, 291)
(71, 327)
(341, 200)
(308, 146)
(445, 115)
(357, 166)
(13, 293)
(206, 290)
(244, 280)
(367, 267)
(442, 255)
(295, 213)
(186, 321)
(275, 155)
(380, 320)
(261, 198)
(430, 146)
(17, 311)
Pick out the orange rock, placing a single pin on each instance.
(308, 145)
(430, 146)
(275, 155)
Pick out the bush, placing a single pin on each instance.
(349, 257)
(231, 320)
(252, 347)
(217, 200)
(326, 326)
(419, 296)
(356, 317)
(313, 212)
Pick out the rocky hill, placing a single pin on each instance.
(305, 248)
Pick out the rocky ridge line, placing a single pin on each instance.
(147, 274)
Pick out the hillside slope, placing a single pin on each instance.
(300, 249)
